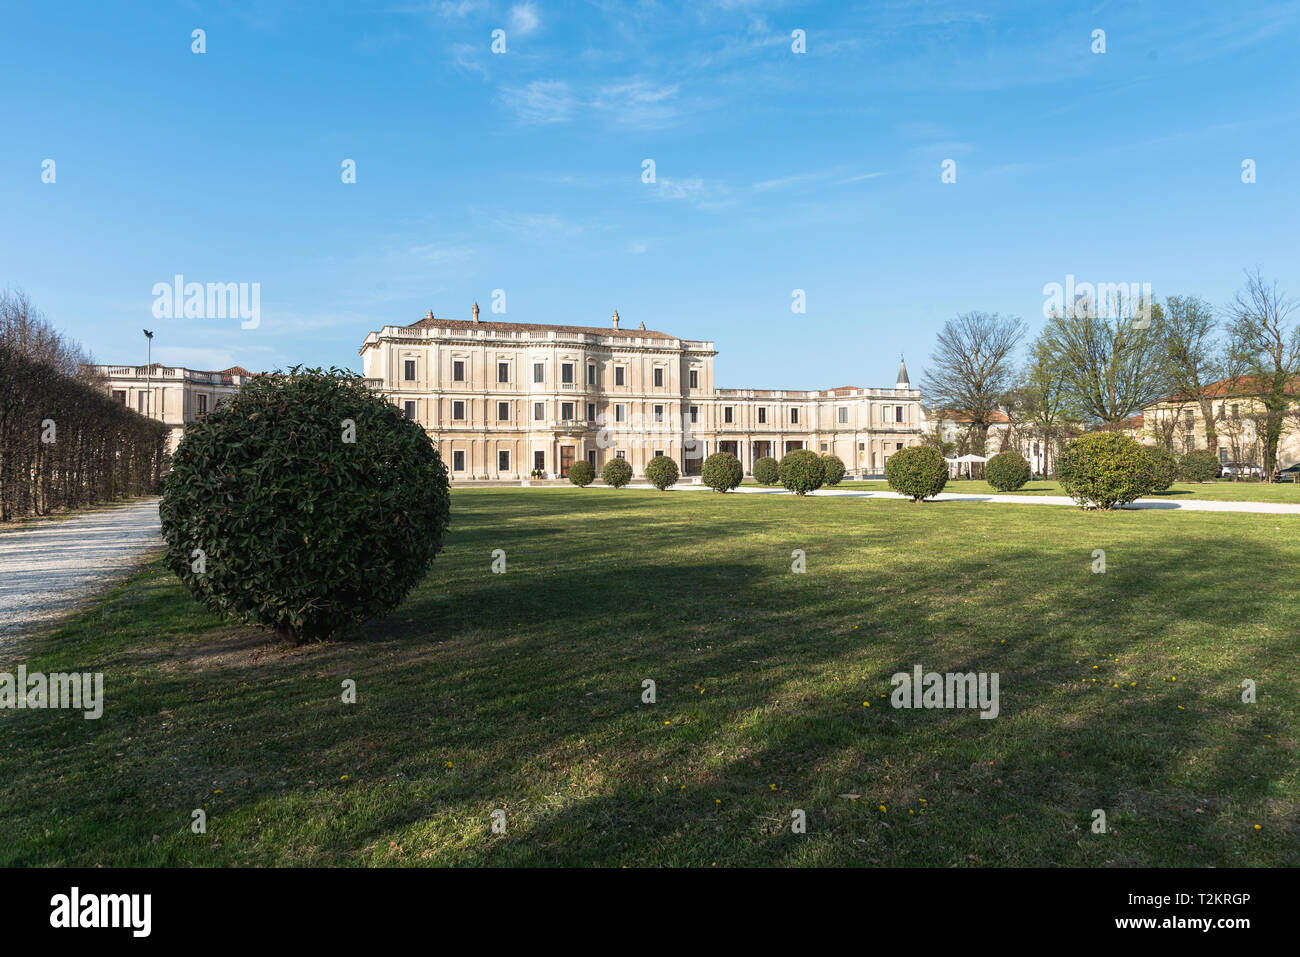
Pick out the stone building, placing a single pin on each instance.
(171, 394)
(505, 400)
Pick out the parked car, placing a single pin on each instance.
(1289, 474)
(1236, 470)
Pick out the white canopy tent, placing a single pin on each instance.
(955, 465)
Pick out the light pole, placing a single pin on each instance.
(148, 368)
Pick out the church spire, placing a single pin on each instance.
(902, 382)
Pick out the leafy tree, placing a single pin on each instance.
(1164, 467)
(1199, 465)
(722, 472)
(1104, 469)
(305, 504)
(1195, 358)
(616, 473)
(662, 472)
(918, 472)
(767, 471)
(834, 469)
(581, 474)
(801, 471)
(1007, 471)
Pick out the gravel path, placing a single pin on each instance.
(48, 568)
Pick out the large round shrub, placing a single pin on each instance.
(1199, 465)
(582, 474)
(1008, 471)
(767, 471)
(832, 470)
(1164, 467)
(919, 472)
(722, 471)
(616, 473)
(304, 504)
(802, 471)
(1105, 469)
(661, 472)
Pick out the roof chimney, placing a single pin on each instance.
(642, 323)
(475, 310)
(615, 318)
(430, 315)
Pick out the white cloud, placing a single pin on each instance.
(524, 19)
(638, 103)
(542, 101)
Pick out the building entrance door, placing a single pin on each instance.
(566, 459)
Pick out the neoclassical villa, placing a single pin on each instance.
(505, 400)
(173, 395)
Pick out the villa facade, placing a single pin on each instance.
(504, 400)
(173, 395)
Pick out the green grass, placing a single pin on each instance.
(1217, 491)
(522, 691)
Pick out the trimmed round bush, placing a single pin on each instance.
(1199, 465)
(305, 504)
(832, 469)
(1105, 469)
(919, 472)
(661, 472)
(616, 473)
(722, 471)
(582, 474)
(767, 471)
(1007, 471)
(802, 471)
(1164, 466)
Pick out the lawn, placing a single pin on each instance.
(522, 691)
(1217, 490)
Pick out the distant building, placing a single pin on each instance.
(505, 399)
(173, 395)
(1178, 422)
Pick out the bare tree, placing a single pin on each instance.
(1195, 358)
(1267, 345)
(1113, 368)
(972, 366)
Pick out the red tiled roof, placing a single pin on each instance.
(236, 370)
(1245, 386)
(1133, 422)
(465, 325)
(996, 417)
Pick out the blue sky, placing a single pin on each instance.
(522, 171)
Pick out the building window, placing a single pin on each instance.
(620, 413)
(862, 446)
(898, 415)
(139, 401)
(408, 370)
(843, 415)
(458, 461)
(1236, 410)
(620, 454)
(409, 409)
(458, 370)
(566, 373)
(897, 446)
(503, 371)
(695, 378)
(503, 460)
(619, 375)
(458, 411)
(1223, 456)
(591, 412)
(566, 411)
(591, 373)
(794, 416)
(503, 411)
(539, 460)
(539, 411)
(695, 413)
(539, 372)
(659, 451)
(823, 446)
(762, 415)
(727, 414)
(659, 377)
(203, 403)
(659, 413)
(119, 395)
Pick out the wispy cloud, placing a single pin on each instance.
(637, 103)
(542, 101)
